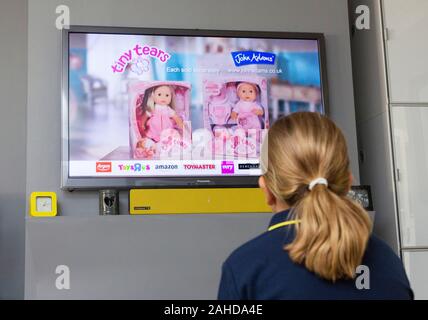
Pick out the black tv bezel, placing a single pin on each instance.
(125, 183)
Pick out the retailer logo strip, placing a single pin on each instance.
(155, 168)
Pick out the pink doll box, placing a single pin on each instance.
(220, 97)
(143, 147)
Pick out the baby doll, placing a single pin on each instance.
(161, 113)
(247, 110)
(145, 149)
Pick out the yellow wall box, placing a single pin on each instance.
(43, 204)
(201, 200)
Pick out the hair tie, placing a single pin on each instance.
(316, 181)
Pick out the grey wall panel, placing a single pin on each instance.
(370, 87)
(327, 16)
(371, 109)
(43, 147)
(376, 171)
(13, 99)
(134, 257)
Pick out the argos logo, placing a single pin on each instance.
(103, 167)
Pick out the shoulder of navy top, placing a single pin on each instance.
(262, 269)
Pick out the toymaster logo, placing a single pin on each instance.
(103, 166)
(137, 167)
(199, 166)
(227, 167)
(243, 58)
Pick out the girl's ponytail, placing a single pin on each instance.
(332, 235)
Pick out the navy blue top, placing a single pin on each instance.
(262, 269)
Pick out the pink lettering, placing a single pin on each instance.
(120, 65)
(116, 68)
(128, 55)
(137, 50)
(165, 57)
(146, 50)
(154, 52)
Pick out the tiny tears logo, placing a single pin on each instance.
(243, 58)
(136, 58)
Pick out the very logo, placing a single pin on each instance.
(242, 58)
(227, 167)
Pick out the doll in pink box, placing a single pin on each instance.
(247, 110)
(161, 113)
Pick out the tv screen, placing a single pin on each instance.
(168, 108)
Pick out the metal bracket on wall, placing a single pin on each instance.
(386, 34)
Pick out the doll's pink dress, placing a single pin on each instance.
(160, 120)
(246, 118)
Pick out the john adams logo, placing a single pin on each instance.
(243, 58)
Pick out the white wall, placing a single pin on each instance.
(408, 92)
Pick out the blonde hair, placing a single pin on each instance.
(150, 95)
(332, 235)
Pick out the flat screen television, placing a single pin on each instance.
(179, 108)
